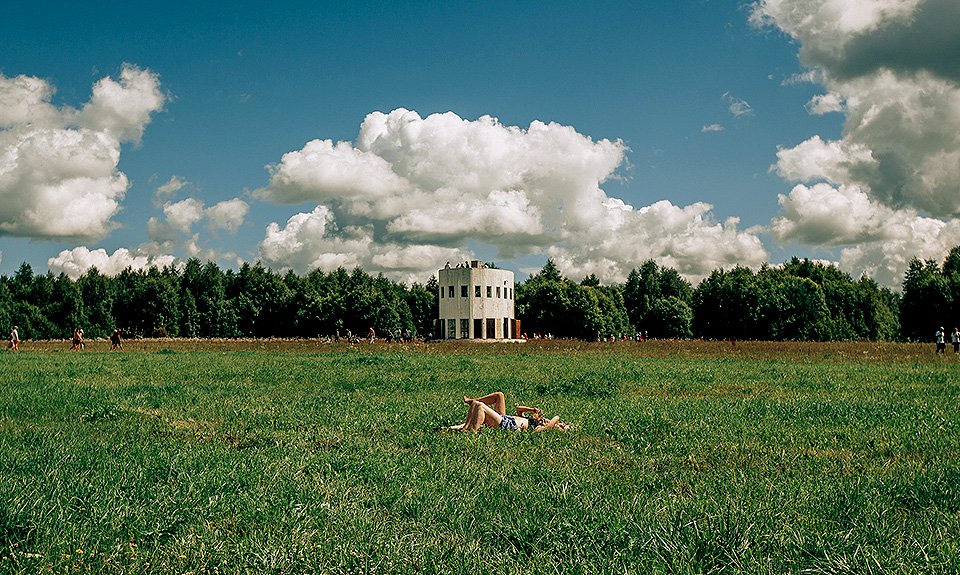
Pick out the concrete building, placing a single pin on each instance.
(476, 302)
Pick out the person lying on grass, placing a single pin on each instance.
(490, 411)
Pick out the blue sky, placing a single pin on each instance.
(695, 99)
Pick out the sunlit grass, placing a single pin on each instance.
(292, 457)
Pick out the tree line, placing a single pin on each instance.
(799, 300)
(202, 300)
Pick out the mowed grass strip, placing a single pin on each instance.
(714, 458)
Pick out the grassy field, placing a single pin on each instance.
(297, 457)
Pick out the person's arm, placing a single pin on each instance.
(521, 409)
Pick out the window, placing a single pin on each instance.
(476, 291)
(489, 291)
(451, 329)
(441, 293)
(463, 291)
(464, 328)
(511, 293)
(498, 291)
(450, 292)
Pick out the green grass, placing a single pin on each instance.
(324, 460)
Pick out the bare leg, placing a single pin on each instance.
(496, 400)
(475, 417)
(480, 415)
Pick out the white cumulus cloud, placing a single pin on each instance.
(58, 166)
(227, 215)
(313, 241)
(76, 262)
(171, 187)
(890, 67)
(183, 214)
(413, 192)
(827, 27)
(124, 108)
(886, 260)
(175, 229)
(824, 215)
(823, 104)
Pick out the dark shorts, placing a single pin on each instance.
(508, 423)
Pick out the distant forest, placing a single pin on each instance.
(800, 300)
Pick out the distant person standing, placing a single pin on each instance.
(939, 336)
(116, 341)
(77, 339)
(15, 339)
(955, 340)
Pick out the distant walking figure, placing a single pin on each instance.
(941, 343)
(15, 339)
(77, 339)
(955, 339)
(115, 340)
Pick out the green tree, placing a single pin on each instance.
(65, 308)
(726, 304)
(217, 316)
(926, 300)
(423, 308)
(148, 302)
(951, 274)
(261, 300)
(6, 308)
(648, 284)
(542, 304)
(189, 316)
(96, 290)
(550, 272)
(591, 281)
(792, 308)
(547, 303)
(670, 318)
(874, 313)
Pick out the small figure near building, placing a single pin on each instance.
(939, 337)
(955, 340)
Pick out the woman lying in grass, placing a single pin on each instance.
(490, 410)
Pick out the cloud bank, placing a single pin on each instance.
(58, 165)
(891, 183)
(411, 193)
(76, 262)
